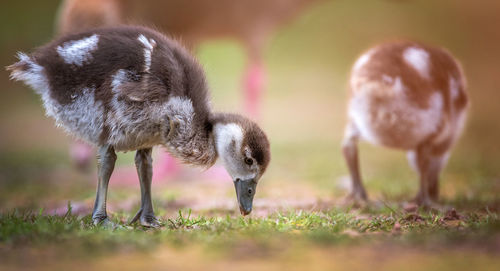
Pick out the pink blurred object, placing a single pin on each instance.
(165, 166)
(217, 174)
(254, 83)
(81, 154)
(77, 208)
(124, 176)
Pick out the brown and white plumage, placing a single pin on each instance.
(409, 96)
(132, 88)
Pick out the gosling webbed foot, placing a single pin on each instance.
(146, 219)
(357, 198)
(426, 202)
(422, 200)
(150, 221)
(104, 222)
(136, 217)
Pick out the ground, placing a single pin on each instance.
(299, 220)
(333, 239)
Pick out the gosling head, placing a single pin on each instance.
(245, 153)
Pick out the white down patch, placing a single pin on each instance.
(356, 68)
(362, 60)
(149, 45)
(418, 59)
(83, 117)
(454, 126)
(375, 117)
(225, 135)
(180, 110)
(36, 79)
(78, 52)
(454, 88)
(132, 124)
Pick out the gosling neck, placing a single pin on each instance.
(227, 133)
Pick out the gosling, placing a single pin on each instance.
(132, 88)
(408, 96)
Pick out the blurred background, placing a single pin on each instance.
(305, 64)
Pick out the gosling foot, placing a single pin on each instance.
(357, 198)
(422, 201)
(146, 219)
(104, 222)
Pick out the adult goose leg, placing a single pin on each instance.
(143, 163)
(106, 159)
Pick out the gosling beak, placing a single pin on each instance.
(245, 190)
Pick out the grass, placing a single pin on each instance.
(326, 227)
(276, 238)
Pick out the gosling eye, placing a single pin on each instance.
(248, 161)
